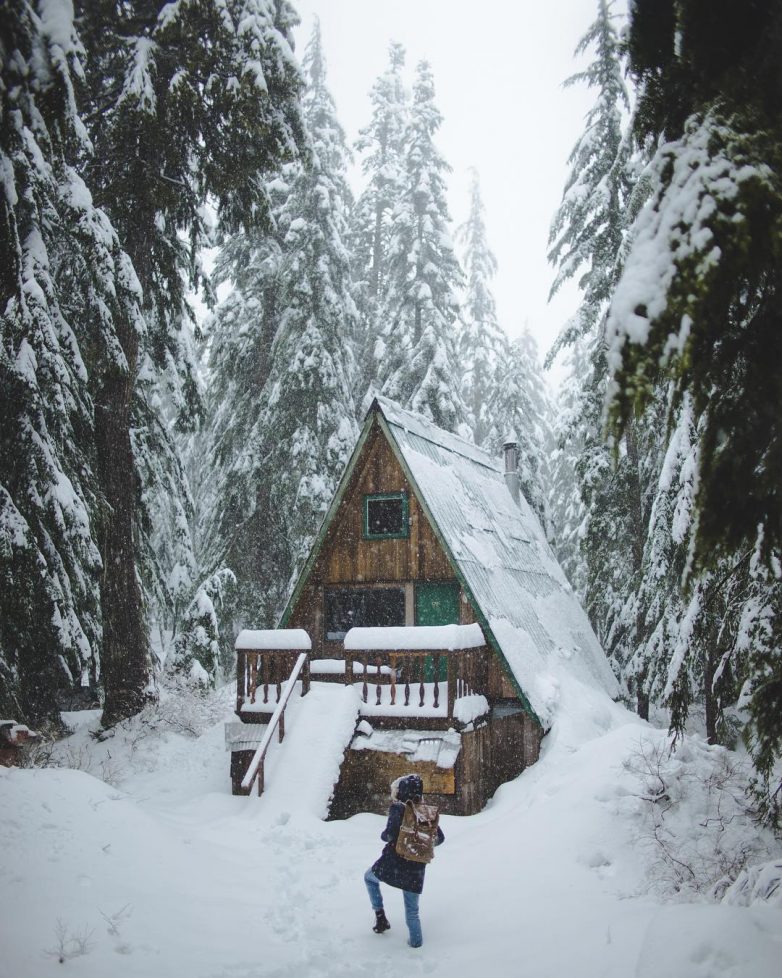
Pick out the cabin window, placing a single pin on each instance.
(362, 607)
(385, 516)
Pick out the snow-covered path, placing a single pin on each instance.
(169, 875)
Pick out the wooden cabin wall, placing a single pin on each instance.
(500, 686)
(490, 755)
(346, 558)
(365, 779)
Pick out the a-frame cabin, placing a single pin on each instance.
(426, 531)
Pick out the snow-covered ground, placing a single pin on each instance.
(162, 873)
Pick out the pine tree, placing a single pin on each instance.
(235, 526)
(565, 503)
(588, 230)
(166, 512)
(415, 358)
(284, 441)
(587, 237)
(712, 230)
(309, 406)
(518, 404)
(54, 246)
(186, 102)
(699, 302)
(483, 346)
(381, 143)
(197, 648)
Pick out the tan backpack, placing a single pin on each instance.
(418, 832)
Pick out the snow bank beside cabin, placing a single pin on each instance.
(173, 876)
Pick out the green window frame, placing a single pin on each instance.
(404, 530)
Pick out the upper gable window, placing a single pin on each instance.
(385, 516)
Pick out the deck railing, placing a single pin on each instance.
(259, 679)
(277, 722)
(411, 678)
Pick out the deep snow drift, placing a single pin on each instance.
(163, 873)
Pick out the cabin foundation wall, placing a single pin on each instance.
(495, 752)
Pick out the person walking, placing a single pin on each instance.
(393, 869)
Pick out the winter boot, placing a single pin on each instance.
(381, 922)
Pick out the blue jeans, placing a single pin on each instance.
(412, 918)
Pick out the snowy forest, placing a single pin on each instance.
(198, 306)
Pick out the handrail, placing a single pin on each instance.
(256, 765)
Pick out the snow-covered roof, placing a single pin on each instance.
(441, 637)
(256, 639)
(524, 601)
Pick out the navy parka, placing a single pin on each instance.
(391, 868)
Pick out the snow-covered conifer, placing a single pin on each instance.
(416, 359)
(699, 303)
(65, 282)
(483, 346)
(518, 403)
(587, 239)
(566, 506)
(381, 143)
(589, 227)
(197, 648)
(283, 437)
(186, 102)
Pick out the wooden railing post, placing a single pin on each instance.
(241, 679)
(453, 660)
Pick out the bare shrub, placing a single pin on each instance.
(696, 822)
(70, 944)
(114, 920)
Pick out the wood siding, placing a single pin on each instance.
(346, 558)
(493, 753)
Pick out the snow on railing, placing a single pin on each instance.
(255, 770)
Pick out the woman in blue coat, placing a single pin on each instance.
(392, 869)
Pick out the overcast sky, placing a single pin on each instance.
(498, 69)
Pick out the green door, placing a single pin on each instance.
(436, 603)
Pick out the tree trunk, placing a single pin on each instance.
(125, 662)
(638, 524)
(711, 705)
(642, 704)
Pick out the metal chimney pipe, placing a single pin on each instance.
(510, 451)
